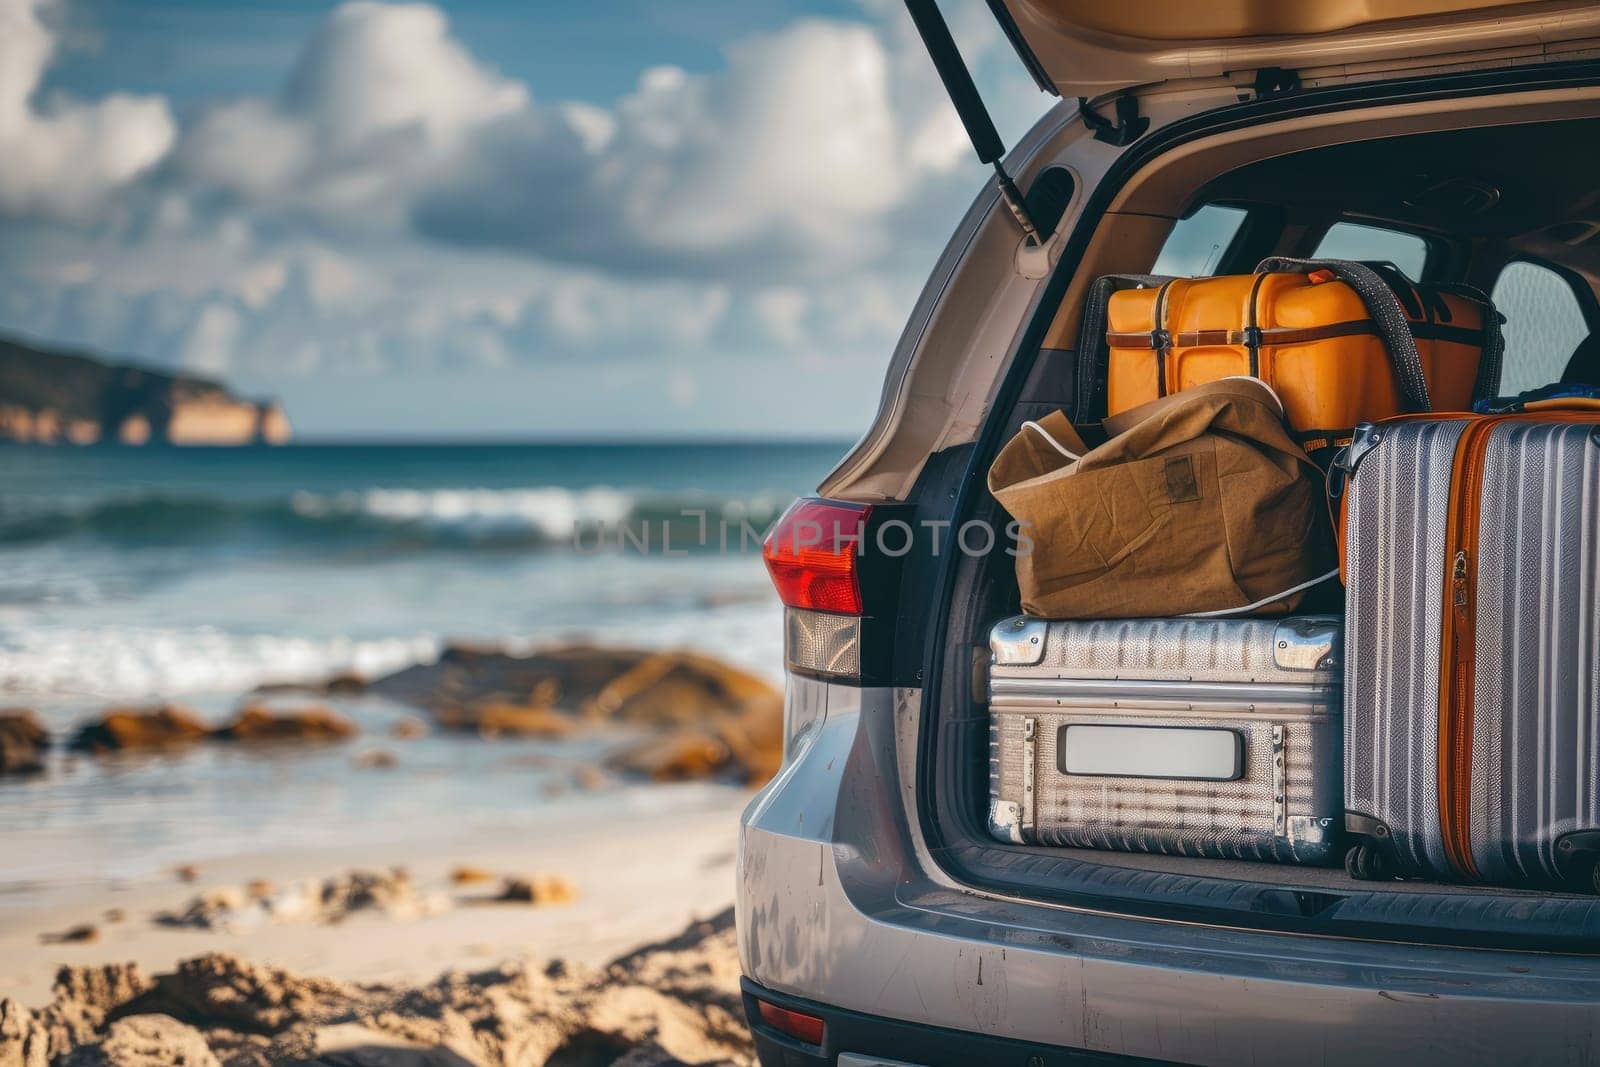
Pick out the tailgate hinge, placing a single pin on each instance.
(1128, 128)
(1273, 81)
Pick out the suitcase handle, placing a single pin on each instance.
(1388, 318)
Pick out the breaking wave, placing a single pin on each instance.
(154, 661)
(393, 518)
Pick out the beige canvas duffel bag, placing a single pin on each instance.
(1198, 503)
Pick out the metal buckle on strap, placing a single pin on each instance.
(1250, 336)
(1160, 340)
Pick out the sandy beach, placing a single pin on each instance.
(642, 878)
(278, 728)
(491, 859)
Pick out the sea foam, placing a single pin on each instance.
(150, 662)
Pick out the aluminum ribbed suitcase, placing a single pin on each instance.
(1472, 671)
(1199, 737)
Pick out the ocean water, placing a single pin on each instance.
(193, 575)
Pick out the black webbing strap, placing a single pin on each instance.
(1092, 350)
(1413, 301)
(1390, 321)
(1431, 304)
(1431, 299)
(1487, 385)
(1252, 327)
(1161, 337)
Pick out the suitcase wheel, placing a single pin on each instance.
(1366, 862)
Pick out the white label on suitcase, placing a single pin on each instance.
(1152, 752)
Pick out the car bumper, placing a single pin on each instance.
(854, 1039)
(839, 904)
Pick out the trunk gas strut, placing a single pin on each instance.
(969, 105)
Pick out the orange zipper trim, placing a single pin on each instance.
(1456, 646)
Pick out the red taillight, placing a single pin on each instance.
(807, 1028)
(812, 555)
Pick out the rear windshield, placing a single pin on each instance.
(1198, 243)
(1353, 240)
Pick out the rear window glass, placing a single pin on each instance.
(1196, 244)
(1544, 324)
(1351, 240)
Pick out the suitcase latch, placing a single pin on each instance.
(1280, 782)
(1018, 642)
(1306, 644)
(1029, 733)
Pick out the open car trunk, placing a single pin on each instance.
(1088, 48)
(1478, 199)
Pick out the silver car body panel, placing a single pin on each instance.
(839, 902)
(1090, 49)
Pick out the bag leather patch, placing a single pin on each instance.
(1181, 485)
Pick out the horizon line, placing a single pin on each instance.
(625, 440)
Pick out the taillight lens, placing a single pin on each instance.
(807, 1028)
(813, 554)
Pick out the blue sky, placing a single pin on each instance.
(489, 218)
(196, 50)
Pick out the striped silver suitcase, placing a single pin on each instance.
(1472, 673)
(1198, 737)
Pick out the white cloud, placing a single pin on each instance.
(260, 283)
(782, 311)
(595, 126)
(209, 347)
(589, 310)
(797, 140)
(250, 147)
(398, 207)
(380, 99)
(334, 279)
(872, 308)
(376, 68)
(788, 163)
(63, 158)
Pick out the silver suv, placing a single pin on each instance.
(880, 922)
